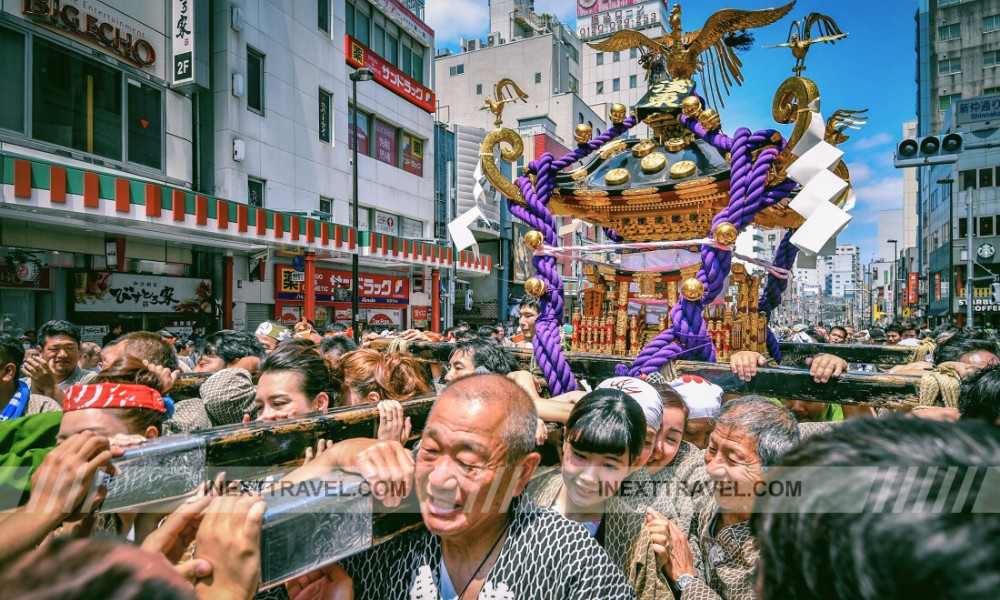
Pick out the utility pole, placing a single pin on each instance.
(970, 263)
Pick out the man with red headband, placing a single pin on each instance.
(110, 409)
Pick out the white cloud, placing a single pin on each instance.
(885, 193)
(879, 139)
(860, 172)
(454, 19)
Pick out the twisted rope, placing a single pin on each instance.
(945, 383)
(535, 212)
(748, 195)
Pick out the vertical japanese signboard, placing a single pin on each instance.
(913, 288)
(385, 143)
(189, 43)
(413, 154)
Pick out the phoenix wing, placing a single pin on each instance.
(626, 39)
(721, 68)
(825, 26)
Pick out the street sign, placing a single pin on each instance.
(299, 263)
(297, 277)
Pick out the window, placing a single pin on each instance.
(364, 127)
(456, 70)
(985, 226)
(378, 39)
(617, 56)
(968, 179)
(600, 58)
(61, 114)
(950, 66)
(325, 119)
(949, 32)
(632, 52)
(991, 23)
(948, 2)
(255, 80)
(323, 15)
(12, 74)
(574, 85)
(362, 22)
(991, 58)
(579, 118)
(600, 87)
(633, 81)
(145, 112)
(991, 91)
(538, 77)
(255, 192)
(616, 84)
(391, 50)
(479, 89)
(986, 178)
(945, 101)
(417, 63)
(326, 209)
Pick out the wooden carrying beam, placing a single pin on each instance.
(795, 353)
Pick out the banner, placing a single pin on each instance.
(913, 288)
(385, 143)
(405, 17)
(392, 317)
(589, 7)
(362, 132)
(358, 55)
(335, 286)
(126, 292)
(413, 154)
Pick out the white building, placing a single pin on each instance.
(610, 77)
(158, 176)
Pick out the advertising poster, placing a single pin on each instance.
(385, 143)
(413, 155)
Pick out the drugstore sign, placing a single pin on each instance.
(358, 56)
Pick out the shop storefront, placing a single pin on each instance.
(142, 302)
(384, 298)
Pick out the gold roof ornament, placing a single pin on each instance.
(505, 91)
(800, 37)
(679, 54)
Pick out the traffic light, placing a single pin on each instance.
(930, 150)
(995, 292)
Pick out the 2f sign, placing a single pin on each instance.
(182, 67)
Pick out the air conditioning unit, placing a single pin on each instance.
(494, 39)
(471, 45)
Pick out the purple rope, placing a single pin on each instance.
(748, 195)
(547, 346)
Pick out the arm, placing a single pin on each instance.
(554, 410)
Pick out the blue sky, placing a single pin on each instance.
(873, 68)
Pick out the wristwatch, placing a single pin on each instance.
(684, 580)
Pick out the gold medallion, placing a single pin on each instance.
(654, 163)
(617, 176)
(642, 148)
(683, 169)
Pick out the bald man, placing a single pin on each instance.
(475, 458)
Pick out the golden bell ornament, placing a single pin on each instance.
(534, 287)
(710, 120)
(692, 290)
(617, 113)
(582, 133)
(534, 239)
(725, 234)
(691, 106)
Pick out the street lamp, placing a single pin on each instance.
(948, 181)
(356, 76)
(895, 278)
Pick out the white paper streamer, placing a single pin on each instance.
(460, 231)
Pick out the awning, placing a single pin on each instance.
(74, 195)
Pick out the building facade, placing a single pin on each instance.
(958, 77)
(205, 149)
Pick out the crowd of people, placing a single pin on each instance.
(898, 333)
(659, 488)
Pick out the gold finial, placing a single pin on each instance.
(534, 287)
(725, 234)
(617, 113)
(582, 133)
(691, 106)
(710, 120)
(505, 91)
(800, 37)
(534, 239)
(692, 290)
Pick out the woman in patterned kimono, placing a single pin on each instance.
(604, 442)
